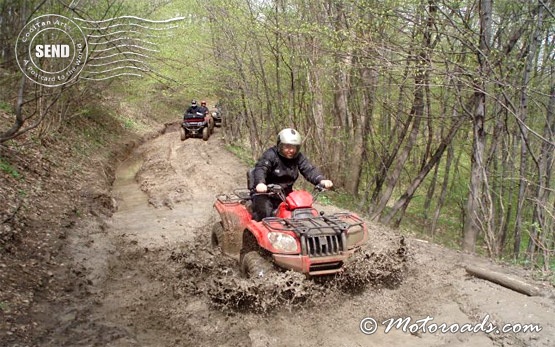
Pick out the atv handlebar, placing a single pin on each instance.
(320, 187)
(277, 190)
(273, 189)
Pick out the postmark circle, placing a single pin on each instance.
(51, 50)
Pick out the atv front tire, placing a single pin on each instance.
(205, 133)
(211, 125)
(217, 235)
(183, 134)
(254, 265)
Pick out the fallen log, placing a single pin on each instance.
(504, 280)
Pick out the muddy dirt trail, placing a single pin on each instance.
(149, 277)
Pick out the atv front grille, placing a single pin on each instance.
(322, 245)
(320, 236)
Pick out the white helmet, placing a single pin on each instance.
(289, 136)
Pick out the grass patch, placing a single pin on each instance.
(241, 153)
(130, 124)
(9, 169)
(4, 106)
(344, 200)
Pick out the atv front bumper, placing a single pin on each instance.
(194, 128)
(313, 266)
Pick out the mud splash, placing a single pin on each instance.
(386, 267)
(206, 271)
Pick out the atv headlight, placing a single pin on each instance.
(283, 242)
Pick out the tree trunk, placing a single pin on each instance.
(542, 207)
(473, 206)
(538, 230)
(473, 219)
(444, 186)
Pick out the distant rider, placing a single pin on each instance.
(203, 108)
(281, 165)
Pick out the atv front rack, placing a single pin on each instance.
(319, 236)
(332, 224)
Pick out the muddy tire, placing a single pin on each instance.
(205, 133)
(182, 134)
(254, 265)
(211, 125)
(217, 235)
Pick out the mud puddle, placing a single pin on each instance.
(137, 218)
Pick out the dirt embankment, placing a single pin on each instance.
(147, 276)
(49, 185)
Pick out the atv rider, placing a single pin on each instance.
(193, 109)
(204, 110)
(281, 165)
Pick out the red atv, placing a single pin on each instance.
(196, 125)
(298, 237)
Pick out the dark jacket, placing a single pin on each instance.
(272, 168)
(203, 109)
(193, 110)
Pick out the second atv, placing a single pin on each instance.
(297, 238)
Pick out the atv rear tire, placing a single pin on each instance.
(217, 235)
(205, 133)
(183, 134)
(254, 265)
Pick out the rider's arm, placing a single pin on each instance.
(310, 172)
(263, 166)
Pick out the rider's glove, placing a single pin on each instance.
(261, 188)
(326, 184)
